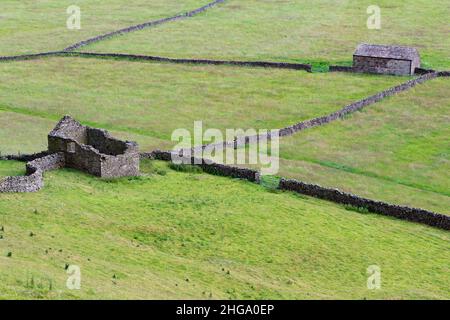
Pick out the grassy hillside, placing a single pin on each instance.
(404, 139)
(295, 30)
(153, 99)
(30, 26)
(396, 150)
(163, 236)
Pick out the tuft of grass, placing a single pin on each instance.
(185, 168)
(362, 210)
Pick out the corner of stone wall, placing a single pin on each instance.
(33, 180)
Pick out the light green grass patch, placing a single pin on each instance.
(296, 31)
(30, 26)
(163, 236)
(11, 168)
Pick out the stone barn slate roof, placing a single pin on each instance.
(387, 52)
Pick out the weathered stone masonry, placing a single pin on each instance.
(93, 150)
(380, 59)
(73, 145)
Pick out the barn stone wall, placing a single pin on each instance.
(382, 66)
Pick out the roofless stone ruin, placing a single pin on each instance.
(87, 149)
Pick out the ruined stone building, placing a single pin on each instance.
(379, 59)
(73, 145)
(93, 150)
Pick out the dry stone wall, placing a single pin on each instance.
(351, 108)
(144, 25)
(263, 64)
(356, 106)
(25, 157)
(208, 166)
(33, 180)
(400, 212)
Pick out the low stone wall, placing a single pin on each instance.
(400, 212)
(421, 71)
(30, 56)
(144, 25)
(262, 64)
(33, 180)
(30, 183)
(25, 157)
(208, 166)
(340, 69)
(356, 106)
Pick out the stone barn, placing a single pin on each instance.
(380, 59)
(93, 150)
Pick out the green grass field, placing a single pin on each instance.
(153, 99)
(163, 236)
(402, 140)
(296, 31)
(29, 26)
(172, 234)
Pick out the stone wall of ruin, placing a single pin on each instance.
(33, 180)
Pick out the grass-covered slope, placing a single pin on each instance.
(153, 99)
(296, 30)
(396, 150)
(403, 139)
(163, 236)
(30, 26)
